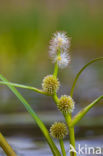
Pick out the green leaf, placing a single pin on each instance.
(82, 113)
(6, 147)
(80, 72)
(34, 116)
(23, 86)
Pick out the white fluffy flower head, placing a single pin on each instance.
(62, 60)
(60, 41)
(59, 47)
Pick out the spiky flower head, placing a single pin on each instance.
(59, 41)
(62, 60)
(66, 104)
(59, 46)
(50, 84)
(58, 130)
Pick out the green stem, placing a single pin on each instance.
(62, 147)
(6, 147)
(55, 98)
(80, 72)
(56, 65)
(72, 140)
(71, 129)
(67, 117)
(35, 117)
(71, 132)
(23, 86)
(56, 70)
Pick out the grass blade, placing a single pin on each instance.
(82, 113)
(35, 117)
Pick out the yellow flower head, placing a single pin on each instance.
(50, 84)
(66, 104)
(58, 130)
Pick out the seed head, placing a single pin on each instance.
(66, 104)
(50, 84)
(58, 130)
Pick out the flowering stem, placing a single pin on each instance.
(72, 139)
(6, 147)
(71, 129)
(66, 116)
(35, 117)
(56, 70)
(62, 147)
(71, 132)
(56, 64)
(55, 98)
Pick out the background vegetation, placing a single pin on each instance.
(25, 30)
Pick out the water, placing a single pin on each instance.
(36, 147)
(27, 140)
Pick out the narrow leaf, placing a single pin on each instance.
(35, 117)
(23, 86)
(82, 113)
(80, 72)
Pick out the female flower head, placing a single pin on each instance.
(58, 130)
(50, 84)
(66, 104)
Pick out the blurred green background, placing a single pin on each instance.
(26, 27)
